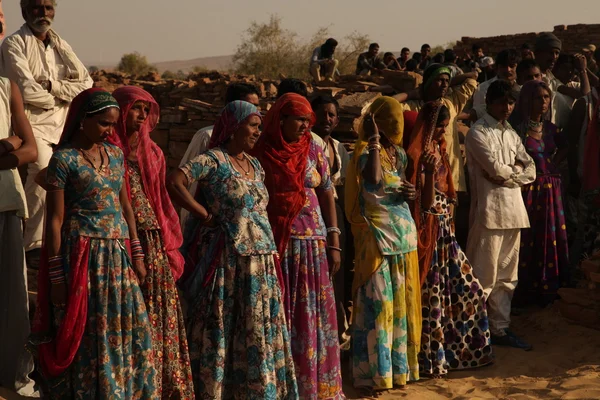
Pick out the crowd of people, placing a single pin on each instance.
(290, 254)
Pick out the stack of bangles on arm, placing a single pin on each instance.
(56, 272)
(136, 250)
(336, 230)
(208, 218)
(374, 143)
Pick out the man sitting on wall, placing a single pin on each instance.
(323, 67)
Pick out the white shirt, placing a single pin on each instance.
(27, 61)
(12, 197)
(341, 160)
(562, 105)
(480, 93)
(492, 150)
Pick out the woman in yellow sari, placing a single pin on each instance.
(386, 326)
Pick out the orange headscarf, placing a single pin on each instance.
(426, 223)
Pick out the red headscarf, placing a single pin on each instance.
(285, 166)
(426, 223)
(153, 169)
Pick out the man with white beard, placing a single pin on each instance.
(49, 75)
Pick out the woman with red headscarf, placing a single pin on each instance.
(304, 221)
(455, 331)
(91, 318)
(160, 238)
(239, 341)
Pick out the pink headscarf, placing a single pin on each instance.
(153, 170)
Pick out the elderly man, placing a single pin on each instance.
(498, 167)
(49, 75)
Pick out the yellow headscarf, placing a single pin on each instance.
(389, 116)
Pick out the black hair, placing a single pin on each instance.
(597, 54)
(387, 54)
(526, 64)
(450, 55)
(498, 90)
(324, 99)
(418, 57)
(292, 85)
(373, 45)
(239, 91)
(476, 46)
(438, 58)
(525, 46)
(411, 65)
(404, 49)
(328, 47)
(443, 115)
(331, 42)
(507, 57)
(425, 46)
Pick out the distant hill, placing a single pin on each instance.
(220, 63)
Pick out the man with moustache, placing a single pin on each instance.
(49, 75)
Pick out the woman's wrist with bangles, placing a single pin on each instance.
(373, 147)
(56, 272)
(207, 219)
(336, 248)
(334, 229)
(137, 253)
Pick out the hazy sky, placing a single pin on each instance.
(103, 30)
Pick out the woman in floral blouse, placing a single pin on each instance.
(160, 237)
(91, 317)
(238, 337)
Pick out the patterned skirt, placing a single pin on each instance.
(171, 356)
(237, 333)
(311, 310)
(544, 255)
(115, 358)
(455, 323)
(386, 325)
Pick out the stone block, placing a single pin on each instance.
(354, 104)
(160, 137)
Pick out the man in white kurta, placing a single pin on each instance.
(498, 166)
(49, 75)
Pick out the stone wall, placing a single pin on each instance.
(187, 106)
(574, 38)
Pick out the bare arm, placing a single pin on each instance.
(27, 152)
(327, 204)
(427, 193)
(573, 132)
(55, 214)
(128, 212)
(177, 184)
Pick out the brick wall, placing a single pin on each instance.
(574, 38)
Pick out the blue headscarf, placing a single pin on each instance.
(232, 116)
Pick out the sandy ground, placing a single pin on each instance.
(564, 364)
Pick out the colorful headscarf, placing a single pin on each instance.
(232, 116)
(422, 136)
(58, 349)
(389, 116)
(88, 102)
(432, 72)
(285, 166)
(153, 169)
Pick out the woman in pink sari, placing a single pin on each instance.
(160, 238)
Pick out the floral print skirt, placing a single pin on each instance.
(311, 309)
(115, 358)
(171, 356)
(237, 333)
(456, 331)
(386, 325)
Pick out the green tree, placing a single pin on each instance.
(135, 64)
(199, 69)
